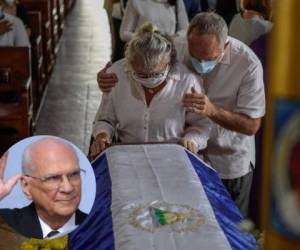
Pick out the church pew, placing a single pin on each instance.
(44, 6)
(61, 16)
(38, 70)
(54, 27)
(15, 93)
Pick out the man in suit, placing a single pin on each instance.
(51, 179)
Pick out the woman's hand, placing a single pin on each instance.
(189, 145)
(5, 188)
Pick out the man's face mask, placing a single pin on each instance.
(204, 67)
(151, 82)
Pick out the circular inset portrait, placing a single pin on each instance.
(47, 187)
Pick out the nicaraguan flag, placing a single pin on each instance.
(159, 196)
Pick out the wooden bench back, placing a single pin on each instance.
(15, 68)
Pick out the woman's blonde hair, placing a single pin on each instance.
(151, 47)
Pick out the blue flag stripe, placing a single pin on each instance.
(96, 232)
(226, 212)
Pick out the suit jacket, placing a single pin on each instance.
(25, 220)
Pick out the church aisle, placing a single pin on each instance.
(73, 96)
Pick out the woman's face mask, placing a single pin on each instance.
(151, 82)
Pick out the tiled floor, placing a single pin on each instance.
(73, 95)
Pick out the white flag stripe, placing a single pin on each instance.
(142, 174)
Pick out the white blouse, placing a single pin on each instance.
(165, 119)
(160, 14)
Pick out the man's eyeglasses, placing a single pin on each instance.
(54, 181)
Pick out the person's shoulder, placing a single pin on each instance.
(13, 19)
(137, 3)
(117, 66)
(80, 216)
(14, 216)
(182, 70)
(241, 52)
(184, 76)
(235, 24)
(181, 46)
(120, 68)
(236, 18)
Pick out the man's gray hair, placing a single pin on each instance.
(27, 157)
(151, 46)
(209, 23)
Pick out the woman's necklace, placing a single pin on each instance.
(150, 91)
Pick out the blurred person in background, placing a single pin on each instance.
(15, 8)
(115, 11)
(168, 15)
(252, 22)
(12, 30)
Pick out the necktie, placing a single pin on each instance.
(52, 233)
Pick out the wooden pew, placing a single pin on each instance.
(61, 16)
(37, 59)
(55, 26)
(15, 92)
(44, 6)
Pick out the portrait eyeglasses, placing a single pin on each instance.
(57, 180)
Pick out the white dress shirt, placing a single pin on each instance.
(165, 119)
(65, 229)
(17, 37)
(248, 30)
(162, 15)
(236, 84)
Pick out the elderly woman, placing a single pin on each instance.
(146, 105)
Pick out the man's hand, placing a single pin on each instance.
(5, 26)
(101, 142)
(5, 188)
(189, 145)
(106, 81)
(238, 122)
(198, 103)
